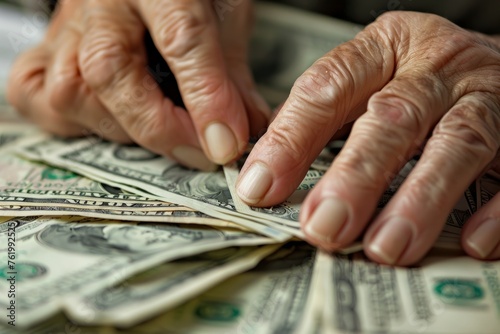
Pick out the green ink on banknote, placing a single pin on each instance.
(217, 311)
(24, 271)
(459, 291)
(57, 174)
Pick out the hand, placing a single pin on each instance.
(411, 81)
(90, 74)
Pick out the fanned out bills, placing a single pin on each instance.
(137, 168)
(60, 259)
(113, 239)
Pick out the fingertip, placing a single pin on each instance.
(325, 223)
(222, 145)
(482, 241)
(390, 240)
(254, 183)
(193, 157)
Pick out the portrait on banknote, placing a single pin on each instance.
(119, 239)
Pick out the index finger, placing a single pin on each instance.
(186, 34)
(331, 93)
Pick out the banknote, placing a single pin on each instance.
(472, 194)
(443, 294)
(458, 216)
(489, 187)
(37, 146)
(20, 200)
(12, 131)
(136, 167)
(57, 259)
(28, 189)
(163, 287)
(59, 324)
(30, 179)
(161, 216)
(271, 298)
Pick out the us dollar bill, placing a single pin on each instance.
(33, 189)
(271, 298)
(472, 194)
(57, 258)
(58, 324)
(12, 131)
(489, 187)
(25, 178)
(443, 294)
(162, 216)
(163, 287)
(136, 167)
(458, 216)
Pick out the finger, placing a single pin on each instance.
(464, 141)
(71, 97)
(381, 142)
(319, 104)
(481, 233)
(27, 93)
(185, 33)
(113, 62)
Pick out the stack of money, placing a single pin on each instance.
(97, 237)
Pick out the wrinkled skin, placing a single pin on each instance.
(409, 82)
(90, 75)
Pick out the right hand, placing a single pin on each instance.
(89, 75)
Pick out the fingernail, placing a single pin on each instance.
(391, 240)
(193, 158)
(486, 237)
(221, 143)
(254, 183)
(327, 220)
(261, 104)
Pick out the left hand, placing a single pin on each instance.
(410, 80)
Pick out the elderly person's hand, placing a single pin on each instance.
(90, 75)
(410, 81)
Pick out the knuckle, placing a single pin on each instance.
(368, 172)
(318, 84)
(283, 141)
(179, 28)
(473, 127)
(102, 60)
(203, 89)
(313, 96)
(394, 113)
(426, 187)
(149, 130)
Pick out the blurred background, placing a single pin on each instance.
(22, 26)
